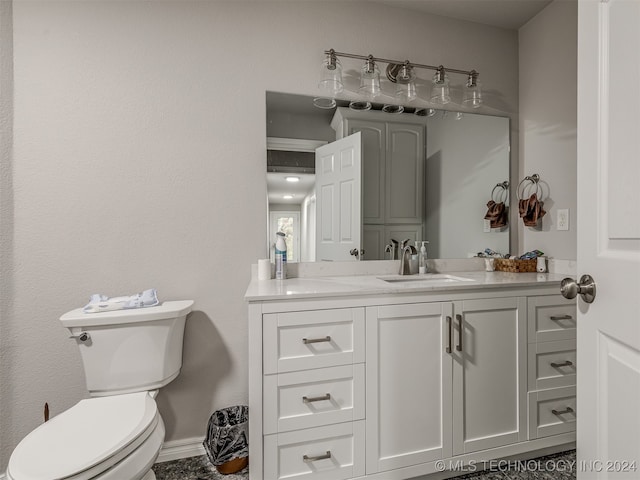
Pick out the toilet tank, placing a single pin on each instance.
(132, 350)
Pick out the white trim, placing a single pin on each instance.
(294, 144)
(177, 449)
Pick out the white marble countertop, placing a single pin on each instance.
(322, 287)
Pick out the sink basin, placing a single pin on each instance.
(427, 278)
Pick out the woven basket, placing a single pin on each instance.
(515, 266)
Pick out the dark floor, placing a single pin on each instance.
(560, 466)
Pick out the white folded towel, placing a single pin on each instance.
(102, 303)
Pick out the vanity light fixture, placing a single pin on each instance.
(292, 179)
(398, 72)
(440, 87)
(331, 75)
(472, 94)
(369, 79)
(406, 84)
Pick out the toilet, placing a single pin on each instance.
(117, 433)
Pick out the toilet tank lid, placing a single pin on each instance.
(171, 309)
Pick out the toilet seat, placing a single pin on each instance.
(87, 439)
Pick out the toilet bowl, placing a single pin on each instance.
(118, 433)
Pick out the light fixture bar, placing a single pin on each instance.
(400, 62)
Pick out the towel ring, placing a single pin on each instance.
(534, 179)
(504, 193)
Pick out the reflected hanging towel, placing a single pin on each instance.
(531, 210)
(497, 214)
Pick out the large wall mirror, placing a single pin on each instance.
(345, 184)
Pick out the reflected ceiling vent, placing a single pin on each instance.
(292, 155)
(290, 162)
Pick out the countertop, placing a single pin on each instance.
(338, 286)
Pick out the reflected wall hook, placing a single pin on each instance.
(505, 189)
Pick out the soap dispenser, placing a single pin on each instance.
(422, 258)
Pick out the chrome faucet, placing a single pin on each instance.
(405, 269)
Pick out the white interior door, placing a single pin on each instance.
(608, 408)
(338, 199)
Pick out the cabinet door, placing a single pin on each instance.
(408, 385)
(373, 172)
(489, 374)
(404, 197)
(373, 242)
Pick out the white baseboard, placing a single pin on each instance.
(177, 449)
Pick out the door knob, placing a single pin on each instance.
(569, 288)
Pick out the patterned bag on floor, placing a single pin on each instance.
(227, 433)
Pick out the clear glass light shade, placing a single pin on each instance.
(440, 90)
(472, 96)
(331, 77)
(369, 80)
(406, 85)
(360, 105)
(390, 108)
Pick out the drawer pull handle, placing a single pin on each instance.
(307, 341)
(448, 349)
(327, 455)
(460, 333)
(326, 396)
(560, 412)
(568, 363)
(561, 317)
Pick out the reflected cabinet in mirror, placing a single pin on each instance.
(348, 185)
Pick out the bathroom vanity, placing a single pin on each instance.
(384, 377)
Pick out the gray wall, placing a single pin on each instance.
(548, 122)
(139, 158)
(466, 158)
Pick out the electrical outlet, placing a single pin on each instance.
(487, 226)
(562, 219)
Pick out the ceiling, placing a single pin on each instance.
(511, 14)
(277, 186)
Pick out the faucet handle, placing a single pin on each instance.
(404, 243)
(411, 249)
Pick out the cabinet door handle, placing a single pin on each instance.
(448, 349)
(307, 341)
(560, 412)
(568, 363)
(459, 346)
(306, 458)
(326, 396)
(561, 317)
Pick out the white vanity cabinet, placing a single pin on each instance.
(444, 379)
(552, 365)
(381, 387)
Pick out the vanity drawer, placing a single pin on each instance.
(551, 318)
(312, 339)
(552, 412)
(552, 364)
(334, 452)
(313, 398)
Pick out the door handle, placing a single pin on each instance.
(459, 346)
(569, 288)
(448, 349)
